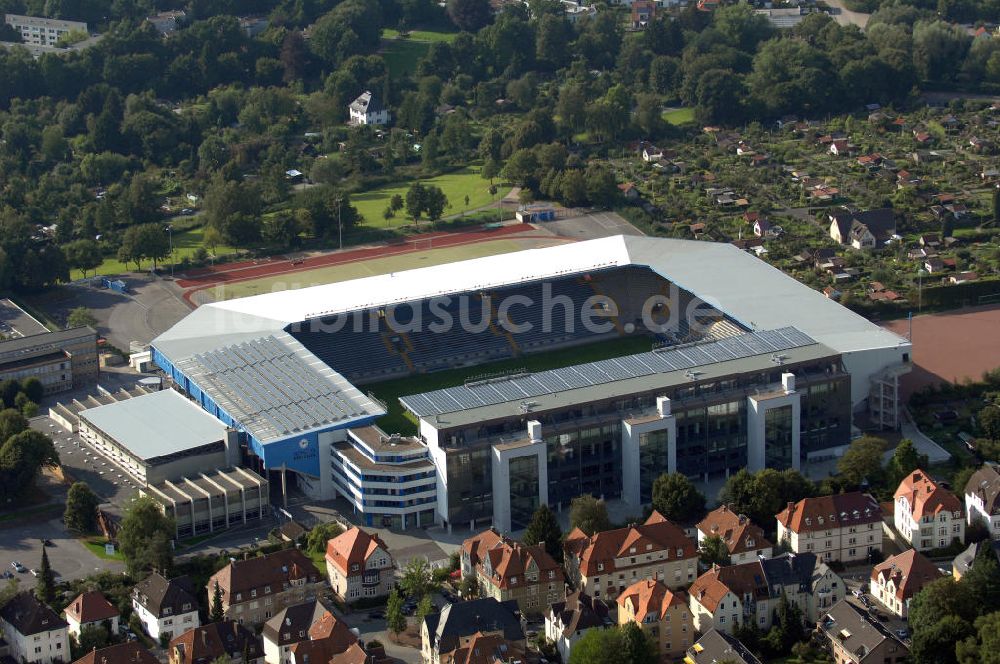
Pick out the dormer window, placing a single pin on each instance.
(267, 589)
(649, 547)
(552, 574)
(820, 520)
(808, 521)
(186, 606)
(600, 567)
(253, 593)
(631, 549)
(680, 552)
(355, 567)
(239, 597)
(513, 580)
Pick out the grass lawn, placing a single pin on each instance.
(455, 185)
(401, 55)
(335, 273)
(421, 35)
(185, 244)
(679, 116)
(96, 546)
(396, 421)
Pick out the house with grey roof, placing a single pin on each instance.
(34, 632)
(368, 109)
(856, 637)
(166, 607)
(453, 628)
(567, 621)
(718, 646)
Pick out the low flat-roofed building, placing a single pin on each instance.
(43, 31)
(158, 436)
(204, 502)
(61, 360)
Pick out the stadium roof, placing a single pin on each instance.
(498, 397)
(157, 424)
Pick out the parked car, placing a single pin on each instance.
(18, 567)
(858, 593)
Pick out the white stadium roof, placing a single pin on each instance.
(746, 288)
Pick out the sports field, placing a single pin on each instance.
(397, 421)
(185, 244)
(373, 266)
(455, 185)
(679, 116)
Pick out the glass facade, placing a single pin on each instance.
(778, 437)
(587, 460)
(470, 484)
(653, 451)
(523, 490)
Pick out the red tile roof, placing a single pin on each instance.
(505, 561)
(709, 588)
(910, 571)
(649, 596)
(925, 497)
(275, 569)
(91, 607)
(737, 531)
(353, 547)
(605, 546)
(826, 512)
(131, 652)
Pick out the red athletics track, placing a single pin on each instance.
(203, 278)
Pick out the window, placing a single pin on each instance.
(253, 593)
(600, 567)
(722, 620)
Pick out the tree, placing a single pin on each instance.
(940, 615)
(144, 537)
(989, 422)
(45, 590)
(216, 613)
(937, 642)
(424, 608)
(544, 527)
(787, 629)
(434, 202)
(637, 647)
(984, 648)
(905, 460)
(321, 534)
(763, 494)
(589, 514)
(469, 587)
(416, 580)
(83, 255)
(714, 551)
(92, 637)
(8, 391)
(863, 461)
(395, 621)
(469, 15)
(416, 197)
(146, 241)
(33, 389)
(81, 317)
(81, 508)
(983, 579)
(599, 646)
(396, 203)
(996, 205)
(676, 498)
(12, 422)
(21, 457)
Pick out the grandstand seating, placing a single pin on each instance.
(370, 356)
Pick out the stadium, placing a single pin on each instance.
(621, 358)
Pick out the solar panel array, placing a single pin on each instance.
(661, 360)
(269, 388)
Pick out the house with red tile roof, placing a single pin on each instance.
(845, 527)
(899, 578)
(91, 608)
(505, 570)
(358, 565)
(130, 652)
(926, 514)
(743, 538)
(208, 643)
(604, 564)
(255, 589)
(661, 613)
(568, 620)
(326, 638)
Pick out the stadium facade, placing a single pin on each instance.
(746, 367)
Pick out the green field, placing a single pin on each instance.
(679, 116)
(455, 185)
(396, 421)
(96, 546)
(185, 244)
(421, 35)
(401, 55)
(335, 273)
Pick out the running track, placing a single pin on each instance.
(202, 278)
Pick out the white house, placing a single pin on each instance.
(982, 499)
(288, 627)
(567, 621)
(166, 607)
(928, 516)
(89, 609)
(845, 527)
(33, 631)
(367, 109)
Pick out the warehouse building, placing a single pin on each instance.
(61, 360)
(204, 502)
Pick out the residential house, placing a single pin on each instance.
(129, 652)
(761, 227)
(288, 627)
(605, 563)
(567, 621)
(922, 137)
(506, 569)
(34, 632)
(963, 562)
(629, 191)
(652, 154)
(327, 638)
(898, 579)
(723, 597)
(930, 240)
(643, 12)
(927, 515)
(841, 148)
(483, 649)
(982, 499)
(225, 639)
(933, 264)
(359, 565)
(832, 293)
(716, 646)
(661, 613)
(368, 109)
(444, 633)
(744, 540)
(856, 637)
(846, 527)
(255, 589)
(88, 609)
(963, 277)
(165, 607)
(862, 230)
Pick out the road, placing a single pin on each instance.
(846, 17)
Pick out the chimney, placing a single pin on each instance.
(535, 431)
(788, 382)
(663, 406)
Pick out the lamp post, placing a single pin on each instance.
(170, 237)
